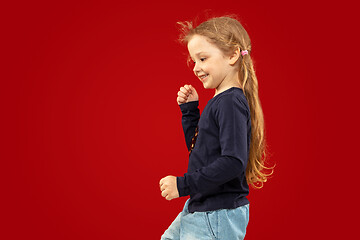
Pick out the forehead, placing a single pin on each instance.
(200, 44)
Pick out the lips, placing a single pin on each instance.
(203, 77)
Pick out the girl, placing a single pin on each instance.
(227, 144)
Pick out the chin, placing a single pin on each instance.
(206, 86)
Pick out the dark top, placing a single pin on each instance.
(216, 171)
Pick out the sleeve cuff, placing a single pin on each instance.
(181, 186)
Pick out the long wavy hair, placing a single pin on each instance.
(229, 35)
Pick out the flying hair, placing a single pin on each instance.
(229, 35)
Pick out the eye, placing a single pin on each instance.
(202, 59)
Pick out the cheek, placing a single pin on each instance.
(207, 67)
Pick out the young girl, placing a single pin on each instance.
(227, 144)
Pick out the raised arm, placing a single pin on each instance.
(188, 101)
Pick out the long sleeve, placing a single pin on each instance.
(231, 118)
(190, 118)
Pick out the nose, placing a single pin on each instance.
(196, 68)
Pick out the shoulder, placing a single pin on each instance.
(232, 100)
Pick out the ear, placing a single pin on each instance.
(234, 56)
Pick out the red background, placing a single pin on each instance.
(90, 123)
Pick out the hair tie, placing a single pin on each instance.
(244, 52)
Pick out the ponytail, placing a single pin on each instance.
(256, 163)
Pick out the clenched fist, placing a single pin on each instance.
(186, 94)
(168, 187)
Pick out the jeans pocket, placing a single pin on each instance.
(211, 222)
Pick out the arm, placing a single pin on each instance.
(190, 118)
(232, 118)
(188, 103)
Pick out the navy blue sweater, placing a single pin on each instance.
(216, 171)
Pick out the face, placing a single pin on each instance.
(212, 67)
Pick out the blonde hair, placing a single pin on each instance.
(229, 35)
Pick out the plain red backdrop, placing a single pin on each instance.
(90, 124)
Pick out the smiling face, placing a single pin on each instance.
(214, 69)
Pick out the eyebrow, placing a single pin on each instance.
(199, 53)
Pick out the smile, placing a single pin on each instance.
(203, 77)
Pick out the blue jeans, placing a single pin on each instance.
(223, 224)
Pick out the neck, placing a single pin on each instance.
(228, 83)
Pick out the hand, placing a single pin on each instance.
(186, 94)
(168, 187)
